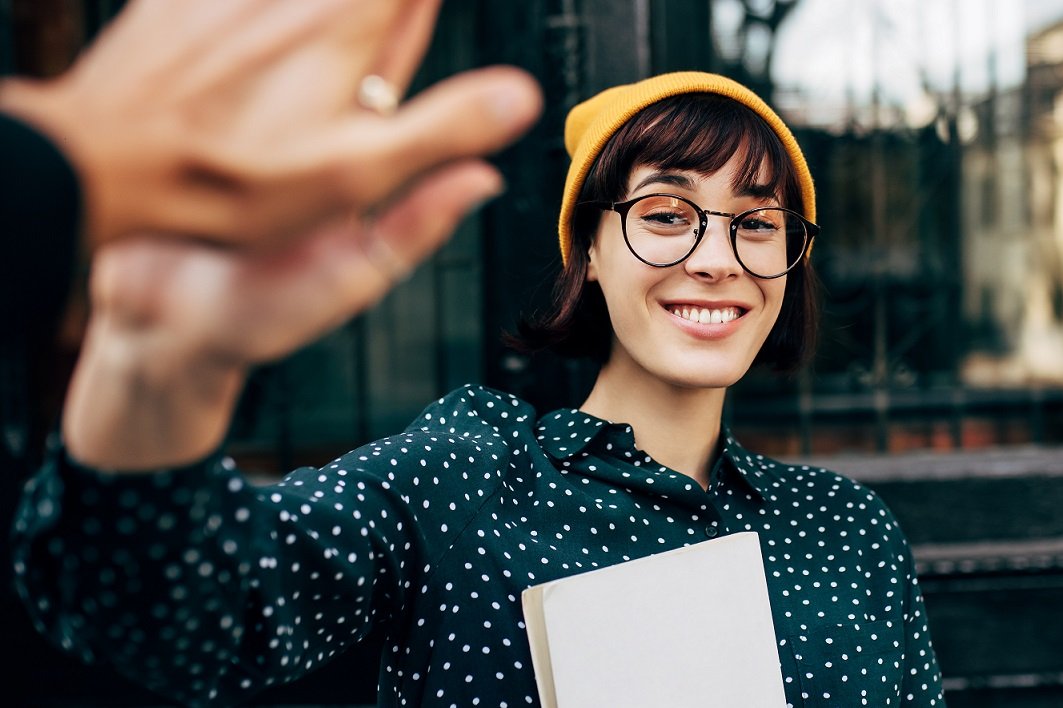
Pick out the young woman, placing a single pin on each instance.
(685, 229)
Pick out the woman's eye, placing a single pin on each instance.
(759, 225)
(667, 218)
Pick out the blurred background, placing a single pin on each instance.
(934, 129)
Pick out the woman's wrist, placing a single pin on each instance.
(138, 402)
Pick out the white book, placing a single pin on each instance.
(685, 628)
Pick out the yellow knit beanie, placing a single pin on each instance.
(590, 125)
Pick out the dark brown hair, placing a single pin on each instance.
(699, 133)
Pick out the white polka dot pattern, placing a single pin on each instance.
(206, 589)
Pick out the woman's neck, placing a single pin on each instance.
(677, 426)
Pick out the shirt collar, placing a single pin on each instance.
(755, 470)
(567, 432)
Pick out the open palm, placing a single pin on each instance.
(176, 323)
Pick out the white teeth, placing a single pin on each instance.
(706, 316)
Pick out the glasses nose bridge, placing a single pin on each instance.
(705, 214)
(703, 236)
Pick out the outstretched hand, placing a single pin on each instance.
(177, 323)
(274, 209)
(237, 121)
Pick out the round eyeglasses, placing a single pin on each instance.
(662, 230)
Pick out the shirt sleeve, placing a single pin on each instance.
(40, 213)
(204, 587)
(922, 676)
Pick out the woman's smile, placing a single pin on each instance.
(706, 320)
(706, 315)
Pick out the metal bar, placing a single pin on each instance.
(617, 42)
(362, 410)
(7, 39)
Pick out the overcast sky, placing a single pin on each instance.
(831, 54)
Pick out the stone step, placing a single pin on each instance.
(986, 528)
(991, 627)
(966, 496)
(988, 558)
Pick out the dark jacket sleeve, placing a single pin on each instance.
(40, 211)
(205, 588)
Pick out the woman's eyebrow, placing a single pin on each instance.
(678, 179)
(672, 178)
(760, 191)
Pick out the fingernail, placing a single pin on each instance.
(490, 193)
(510, 102)
(498, 188)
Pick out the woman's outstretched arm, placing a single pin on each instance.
(136, 532)
(159, 552)
(204, 588)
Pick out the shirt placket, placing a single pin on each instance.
(674, 490)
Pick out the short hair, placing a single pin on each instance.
(699, 132)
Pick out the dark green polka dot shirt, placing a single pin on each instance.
(207, 588)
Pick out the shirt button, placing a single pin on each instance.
(711, 531)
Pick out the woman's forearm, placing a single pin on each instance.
(137, 402)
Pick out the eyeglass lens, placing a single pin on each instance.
(663, 230)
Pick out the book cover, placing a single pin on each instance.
(687, 627)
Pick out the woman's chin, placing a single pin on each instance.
(705, 378)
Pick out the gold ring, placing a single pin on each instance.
(376, 94)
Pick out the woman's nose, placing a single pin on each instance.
(713, 257)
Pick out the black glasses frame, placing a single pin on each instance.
(622, 208)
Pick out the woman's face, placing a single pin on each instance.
(696, 324)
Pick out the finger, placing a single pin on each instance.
(469, 115)
(347, 279)
(288, 299)
(410, 230)
(278, 28)
(359, 166)
(186, 26)
(161, 35)
(414, 226)
(409, 39)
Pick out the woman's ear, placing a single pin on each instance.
(592, 262)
